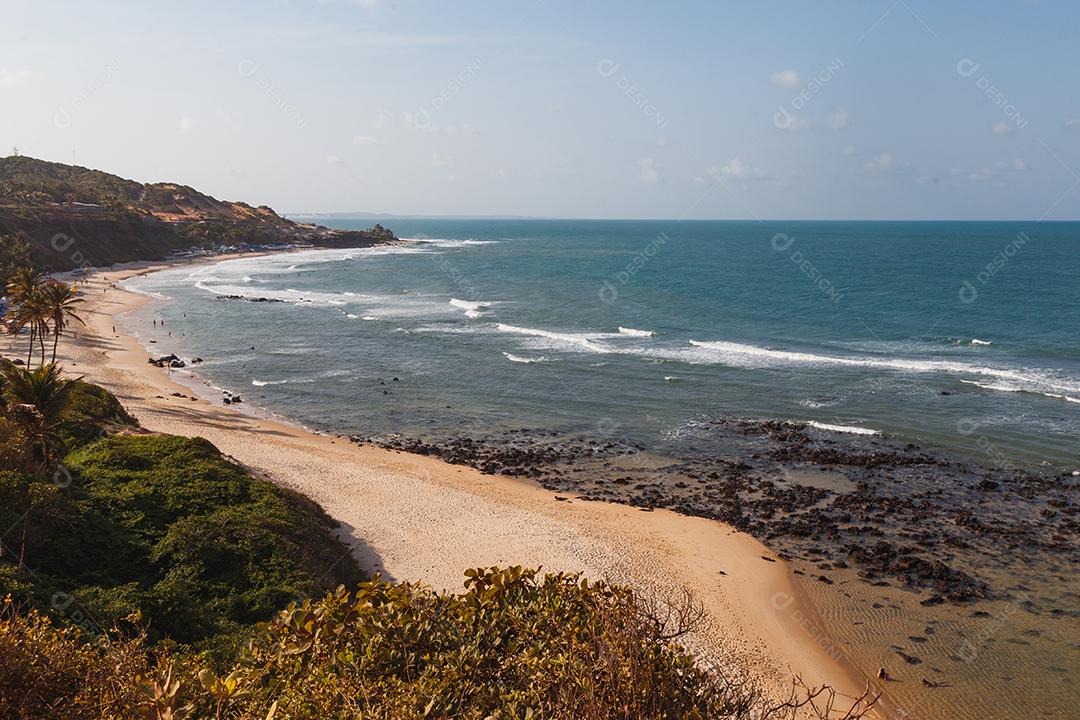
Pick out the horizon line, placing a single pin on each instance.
(427, 216)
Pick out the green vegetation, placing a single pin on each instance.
(14, 254)
(112, 521)
(29, 182)
(27, 179)
(167, 527)
(147, 576)
(515, 645)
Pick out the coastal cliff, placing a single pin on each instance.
(68, 216)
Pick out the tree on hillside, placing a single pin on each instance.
(14, 254)
(34, 402)
(36, 399)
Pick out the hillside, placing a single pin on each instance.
(70, 216)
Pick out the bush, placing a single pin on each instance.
(49, 672)
(515, 645)
(92, 412)
(168, 526)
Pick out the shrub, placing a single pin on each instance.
(168, 526)
(515, 645)
(92, 412)
(50, 672)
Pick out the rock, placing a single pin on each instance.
(165, 361)
(909, 659)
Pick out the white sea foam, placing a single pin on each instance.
(520, 359)
(449, 243)
(977, 341)
(635, 333)
(264, 383)
(1020, 388)
(567, 342)
(139, 291)
(472, 308)
(814, 404)
(381, 305)
(852, 429)
(672, 378)
(740, 355)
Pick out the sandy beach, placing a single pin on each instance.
(415, 518)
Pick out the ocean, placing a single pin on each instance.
(961, 337)
(926, 500)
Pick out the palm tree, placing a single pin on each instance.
(37, 399)
(31, 313)
(24, 290)
(60, 300)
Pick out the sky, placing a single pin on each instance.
(836, 109)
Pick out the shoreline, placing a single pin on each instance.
(418, 518)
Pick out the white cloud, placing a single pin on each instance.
(786, 79)
(838, 120)
(333, 160)
(883, 163)
(367, 140)
(440, 161)
(1019, 164)
(648, 174)
(13, 78)
(1073, 124)
(184, 125)
(1001, 128)
(847, 150)
(734, 168)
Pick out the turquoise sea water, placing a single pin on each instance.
(963, 337)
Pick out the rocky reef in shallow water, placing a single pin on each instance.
(893, 513)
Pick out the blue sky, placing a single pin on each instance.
(832, 109)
